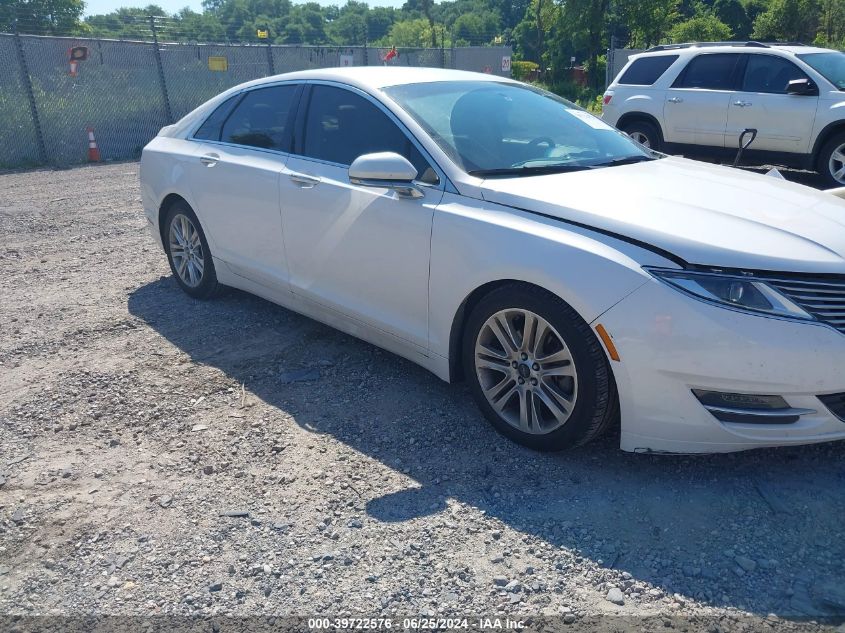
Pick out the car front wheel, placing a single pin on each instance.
(536, 369)
(188, 252)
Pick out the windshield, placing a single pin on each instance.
(830, 65)
(490, 128)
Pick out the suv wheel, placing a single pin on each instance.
(644, 133)
(831, 161)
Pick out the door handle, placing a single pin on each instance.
(304, 180)
(743, 104)
(209, 160)
(675, 100)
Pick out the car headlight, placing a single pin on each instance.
(743, 293)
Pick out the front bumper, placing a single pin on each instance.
(670, 343)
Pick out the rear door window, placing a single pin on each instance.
(646, 70)
(711, 72)
(262, 119)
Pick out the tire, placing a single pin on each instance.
(589, 390)
(197, 280)
(644, 133)
(827, 163)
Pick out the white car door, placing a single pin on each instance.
(695, 109)
(235, 183)
(361, 251)
(784, 123)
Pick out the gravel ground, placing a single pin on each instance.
(162, 456)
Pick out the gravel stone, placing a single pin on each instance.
(615, 596)
(746, 563)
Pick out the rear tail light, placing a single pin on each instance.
(607, 98)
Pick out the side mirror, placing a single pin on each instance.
(802, 87)
(386, 170)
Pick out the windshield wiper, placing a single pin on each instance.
(625, 160)
(536, 170)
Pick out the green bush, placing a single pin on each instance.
(524, 70)
(583, 96)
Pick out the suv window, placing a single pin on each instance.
(712, 72)
(767, 73)
(341, 126)
(210, 129)
(261, 118)
(646, 70)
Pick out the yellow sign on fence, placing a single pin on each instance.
(262, 34)
(220, 64)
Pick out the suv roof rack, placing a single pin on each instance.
(669, 47)
(751, 43)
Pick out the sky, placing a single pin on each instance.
(96, 7)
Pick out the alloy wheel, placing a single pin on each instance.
(186, 250)
(526, 371)
(640, 138)
(836, 164)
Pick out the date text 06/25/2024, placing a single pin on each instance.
(409, 624)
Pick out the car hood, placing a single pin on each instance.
(703, 214)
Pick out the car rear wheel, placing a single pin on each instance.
(831, 161)
(644, 133)
(188, 252)
(536, 369)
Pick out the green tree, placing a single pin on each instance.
(584, 24)
(125, 23)
(704, 28)
(350, 26)
(753, 8)
(305, 26)
(733, 14)
(535, 30)
(379, 21)
(788, 20)
(831, 30)
(409, 34)
(475, 29)
(199, 27)
(649, 21)
(41, 16)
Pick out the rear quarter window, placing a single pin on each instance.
(210, 129)
(646, 70)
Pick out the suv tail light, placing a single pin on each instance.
(607, 97)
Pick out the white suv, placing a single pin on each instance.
(698, 98)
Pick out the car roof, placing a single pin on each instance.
(366, 78)
(728, 47)
(377, 77)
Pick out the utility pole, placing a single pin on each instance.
(26, 80)
(167, 111)
(539, 18)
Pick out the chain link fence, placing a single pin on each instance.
(126, 91)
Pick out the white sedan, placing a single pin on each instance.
(493, 232)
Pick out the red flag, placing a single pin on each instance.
(391, 54)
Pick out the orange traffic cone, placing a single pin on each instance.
(93, 150)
